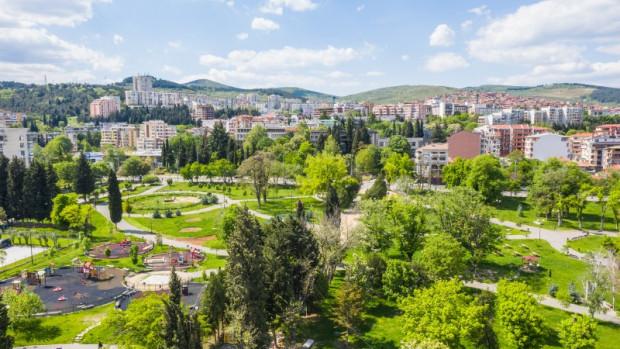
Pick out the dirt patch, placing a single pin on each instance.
(190, 230)
(192, 220)
(197, 241)
(186, 199)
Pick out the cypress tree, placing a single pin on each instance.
(181, 155)
(4, 180)
(52, 184)
(246, 281)
(36, 194)
(83, 180)
(408, 129)
(204, 152)
(378, 189)
(164, 154)
(320, 142)
(16, 204)
(214, 302)
(175, 287)
(230, 151)
(115, 202)
(331, 209)
(6, 341)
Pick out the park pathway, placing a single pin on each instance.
(610, 316)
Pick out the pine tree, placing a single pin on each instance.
(246, 281)
(115, 202)
(408, 129)
(83, 179)
(204, 151)
(219, 140)
(16, 203)
(36, 194)
(320, 142)
(52, 185)
(175, 287)
(181, 155)
(378, 189)
(214, 302)
(4, 179)
(331, 209)
(164, 154)
(230, 151)
(6, 341)
(300, 210)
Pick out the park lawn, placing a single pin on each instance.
(148, 203)
(563, 268)
(512, 231)
(102, 229)
(60, 329)
(206, 221)
(105, 334)
(216, 244)
(287, 206)
(506, 210)
(590, 243)
(238, 191)
(211, 261)
(136, 190)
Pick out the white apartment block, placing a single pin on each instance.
(143, 83)
(504, 117)
(153, 135)
(414, 142)
(430, 159)
(8, 118)
(18, 142)
(559, 115)
(105, 106)
(547, 145)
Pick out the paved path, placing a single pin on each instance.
(65, 346)
(610, 316)
(135, 281)
(130, 229)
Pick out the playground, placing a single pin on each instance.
(69, 289)
(118, 249)
(179, 259)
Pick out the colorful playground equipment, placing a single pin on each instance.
(89, 270)
(178, 259)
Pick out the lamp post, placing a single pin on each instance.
(539, 224)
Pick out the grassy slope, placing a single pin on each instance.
(171, 226)
(237, 192)
(404, 93)
(590, 243)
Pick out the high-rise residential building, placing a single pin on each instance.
(143, 83)
(119, 135)
(153, 134)
(18, 142)
(500, 140)
(547, 145)
(105, 106)
(204, 112)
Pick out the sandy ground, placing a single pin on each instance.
(186, 199)
(15, 253)
(191, 220)
(189, 230)
(197, 241)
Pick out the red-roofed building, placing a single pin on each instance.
(500, 140)
(607, 130)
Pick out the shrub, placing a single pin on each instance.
(156, 214)
(200, 185)
(245, 192)
(133, 253)
(205, 200)
(178, 212)
(169, 181)
(107, 252)
(168, 213)
(553, 289)
(150, 179)
(520, 210)
(158, 240)
(574, 294)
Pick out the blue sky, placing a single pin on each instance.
(337, 47)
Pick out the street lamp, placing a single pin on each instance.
(539, 224)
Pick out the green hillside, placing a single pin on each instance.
(404, 93)
(559, 92)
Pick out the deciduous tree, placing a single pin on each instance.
(115, 201)
(517, 311)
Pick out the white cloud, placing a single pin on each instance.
(118, 39)
(479, 11)
(230, 3)
(30, 13)
(337, 74)
(374, 73)
(287, 57)
(175, 44)
(466, 25)
(360, 7)
(37, 46)
(264, 24)
(171, 69)
(34, 73)
(443, 35)
(242, 36)
(445, 61)
(277, 6)
(610, 49)
(404, 57)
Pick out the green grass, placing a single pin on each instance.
(136, 190)
(512, 231)
(590, 243)
(171, 226)
(211, 262)
(563, 268)
(287, 206)
(59, 329)
(236, 190)
(148, 203)
(507, 210)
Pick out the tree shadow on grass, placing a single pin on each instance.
(35, 331)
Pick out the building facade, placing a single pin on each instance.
(104, 106)
(547, 145)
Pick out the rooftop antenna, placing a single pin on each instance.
(45, 78)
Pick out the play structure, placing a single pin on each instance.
(178, 259)
(118, 250)
(81, 285)
(530, 263)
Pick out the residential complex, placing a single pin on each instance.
(104, 106)
(153, 135)
(18, 142)
(547, 145)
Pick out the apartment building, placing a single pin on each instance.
(104, 106)
(611, 130)
(204, 112)
(153, 135)
(500, 140)
(8, 118)
(547, 145)
(576, 142)
(504, 117)
(120, 135)
(611, 157)
(464, 144)
(414, 142)
(592, 149)
(430, 160)
(18, 142)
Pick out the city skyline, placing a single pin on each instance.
(333, 47)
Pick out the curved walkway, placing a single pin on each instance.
(610, 316)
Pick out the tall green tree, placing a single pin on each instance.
(486, 176)
(331, 208)
(517, 311)
(378, 190)
(175, 287)
(115, 201)
(180, 330)
(444, 257)
(246, 281)
(349, 307)
(257, 168)
(219, 140)
(214, 303)
(16, 200)
(83, 180)
(6, 340)
(37, 198)
(141, 324)
(578, 332)
(463, 215)
(4, 181)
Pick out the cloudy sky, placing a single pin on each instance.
(333, 46)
